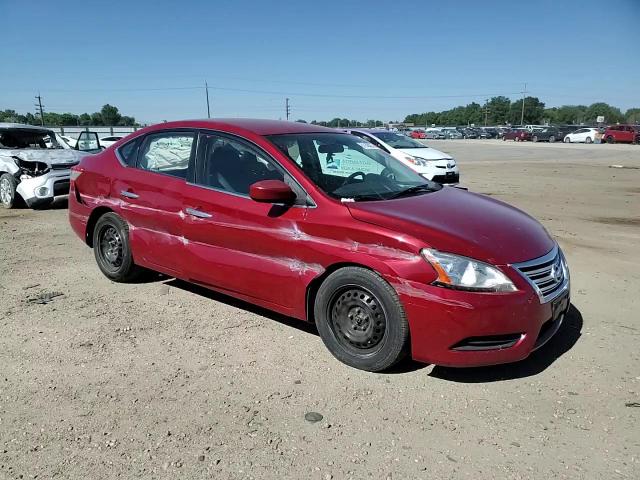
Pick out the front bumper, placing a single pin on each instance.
(42, 189)
(465, 329)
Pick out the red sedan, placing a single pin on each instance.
(321, 226)
(418, 134)
(517, 135)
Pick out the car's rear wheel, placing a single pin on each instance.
(552, 139)
(9, 197)
(588, 140)
(567, 140)
(504, 139)
(516, 139)
(534, 138)
(112, 250)
(361, 320)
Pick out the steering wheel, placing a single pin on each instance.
(388, 173)
(352, 177)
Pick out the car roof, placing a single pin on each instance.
(24, 126)
(246, 125)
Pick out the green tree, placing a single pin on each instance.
(96, 119)
(533, 111)
(611, 114)
(633, 115)
(110, 115)
(84, 119)
(68, 119)
(498, 110)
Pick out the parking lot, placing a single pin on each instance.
(165, 380)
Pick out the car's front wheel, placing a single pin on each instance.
(588, 140)
(361, 320)
(610, 139)
(112, 250)
(8, 194)
(552, 139)
(534, 138)
(567, 140)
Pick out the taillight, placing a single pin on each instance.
(75, 173)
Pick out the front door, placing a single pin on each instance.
(234, 243)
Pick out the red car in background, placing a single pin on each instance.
(517, 135)
(418, 134)
(321, 226)
(622, 134)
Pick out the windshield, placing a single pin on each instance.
(27, 138)
(398, 141)
(350, 169)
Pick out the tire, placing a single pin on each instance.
(361, 320)
(567, 140)
(112, 250)
(610, 139)
(552, 139)
(9, 197)
(534, 138)
(504, 139)
(516, 139)
(588, 140)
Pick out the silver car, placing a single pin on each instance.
(34, 165)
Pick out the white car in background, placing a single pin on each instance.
(432, 164)
(106, 142)
(582, 135)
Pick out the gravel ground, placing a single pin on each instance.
(165, 380)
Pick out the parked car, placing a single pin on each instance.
(432, 164)
(34, 165)
(469, 133)
(418, 134)
(488, 132)
(434, 134)
(582, 135)
(452, 134)
(546, 134)
(383, 261)
(108, 141)
(517, 135)
(622, 134)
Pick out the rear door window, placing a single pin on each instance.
(168, 153)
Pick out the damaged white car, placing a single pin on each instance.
(35, 165)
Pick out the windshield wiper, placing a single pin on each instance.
(415, 189)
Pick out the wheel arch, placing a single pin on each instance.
(314, 285)
(91, 223)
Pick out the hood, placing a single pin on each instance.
(460, 222)
(426, 153)
(54, 156)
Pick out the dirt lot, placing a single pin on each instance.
(161, 380)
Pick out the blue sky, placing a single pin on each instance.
(356, 59)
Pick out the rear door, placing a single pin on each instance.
(235, 243)
(149, 191)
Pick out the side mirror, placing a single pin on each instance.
(88, 142)
(271, 191)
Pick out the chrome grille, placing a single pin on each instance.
(548, 275)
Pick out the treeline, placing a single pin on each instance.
(501, 110)
(345, 122)
(108, 116)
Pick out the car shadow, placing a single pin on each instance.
(537, 362)
(405, 366)
(241, 304)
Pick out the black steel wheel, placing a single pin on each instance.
(111, 249)
(358, 320)
(361, 320)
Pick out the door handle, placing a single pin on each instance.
(128, 194)
(197, 213)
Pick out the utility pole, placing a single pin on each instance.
(39, 105)
(486, 112)
(522, 115)
(206, 88)
(287, 108)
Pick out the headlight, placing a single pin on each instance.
(455, 271)
(420, 161)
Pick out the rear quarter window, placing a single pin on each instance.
(128, 152)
